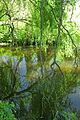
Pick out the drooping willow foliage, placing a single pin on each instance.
(58, 5)
(39, 22)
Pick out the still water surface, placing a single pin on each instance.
(37, 90)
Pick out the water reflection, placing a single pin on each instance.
(36, 97)
(75, 99)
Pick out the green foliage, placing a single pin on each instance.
(25, 16)
(20, 36)
(65, 116)
(6, 111)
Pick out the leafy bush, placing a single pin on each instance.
(6, 111)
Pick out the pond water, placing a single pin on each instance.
(37, 90)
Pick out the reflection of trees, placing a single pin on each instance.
(9, 77)
(4, 81)
(49, 95)
(33, 61)
(10, 74)
(30, 55)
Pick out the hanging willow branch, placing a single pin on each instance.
(41, 33)
(59, 23)
(68, 33)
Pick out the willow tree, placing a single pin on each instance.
(12, 20)
(54, 26)
(30, 21)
